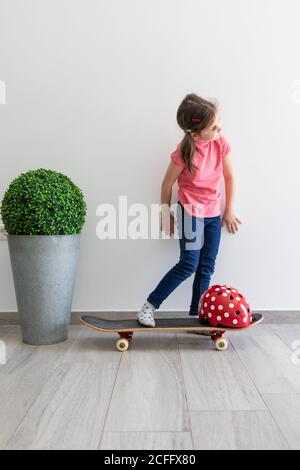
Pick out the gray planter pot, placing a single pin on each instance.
(44, 269)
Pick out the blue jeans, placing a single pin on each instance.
(199, 240)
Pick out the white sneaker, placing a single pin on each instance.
(145, 316)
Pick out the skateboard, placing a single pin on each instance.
(126, 328)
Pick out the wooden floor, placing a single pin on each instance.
(168, 391)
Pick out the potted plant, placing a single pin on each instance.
(43, 213)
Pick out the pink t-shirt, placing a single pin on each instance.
(203, 189)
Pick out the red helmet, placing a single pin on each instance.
(224, 306)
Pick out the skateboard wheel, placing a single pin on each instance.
(122, 344)
(221, 344)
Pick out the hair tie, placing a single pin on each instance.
(189, 131)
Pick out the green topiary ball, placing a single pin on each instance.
(43, 202)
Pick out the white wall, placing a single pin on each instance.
(92, 90)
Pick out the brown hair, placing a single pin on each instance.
(193, 115)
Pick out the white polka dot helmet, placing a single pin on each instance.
(223, 305)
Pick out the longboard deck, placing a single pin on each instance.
(166, 324)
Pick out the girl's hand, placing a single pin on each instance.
(231, 220)
(164, 225)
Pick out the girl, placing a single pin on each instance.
(197, 164)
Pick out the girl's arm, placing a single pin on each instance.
(172, 173)
(229, 216)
